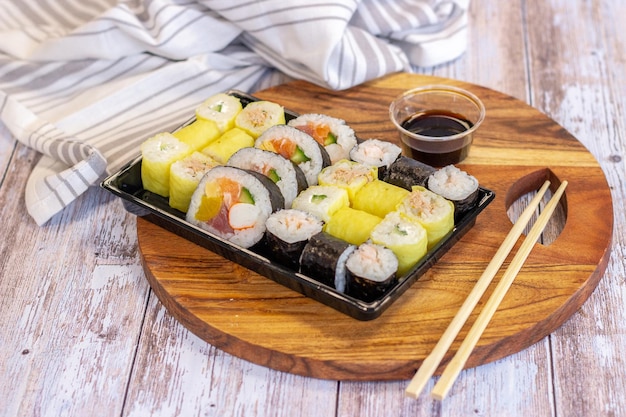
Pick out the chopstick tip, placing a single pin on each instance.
(411, 394)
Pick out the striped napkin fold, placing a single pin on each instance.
(84, 83)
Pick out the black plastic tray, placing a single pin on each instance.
(127, 184)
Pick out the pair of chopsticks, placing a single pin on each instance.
(452, 370)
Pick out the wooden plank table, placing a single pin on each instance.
(81, 333)
(516, 149)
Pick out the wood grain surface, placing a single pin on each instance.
(515, 150)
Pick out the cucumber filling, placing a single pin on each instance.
(299, 156)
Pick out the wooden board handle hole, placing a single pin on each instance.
(523, 190)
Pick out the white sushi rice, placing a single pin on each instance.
(346, 138)
(262, 201)
(452, 183)
(309, 146)
(261, 161)
(291, 225)
(375, 152)
(373, 262)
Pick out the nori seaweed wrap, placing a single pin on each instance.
(455, 185)
(376, 153)
(371, 271)
(324, 259)
(406, 172)
(287, 233)
(234, 204)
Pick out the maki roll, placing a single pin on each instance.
(406, 172)
(222, 109)
(234, 204)
(371, 271)
(379, 198)
(227, 144)
(288, 231)
(455, 185)
(407, 239)
(321, 201)
(296, 146)
(351, 225)
(432, 211)
(259, 116)
(333, 134)
(324, 259)
(376, 153)
(287, 175)
(158, 154)
(347, 174)
(198, 134)
(185, 175)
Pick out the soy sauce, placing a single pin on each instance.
(437, 123)
(437, 159)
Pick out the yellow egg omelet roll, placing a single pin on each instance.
(406, 238)
(379, 198)
(198, 134)
(349, 175)
(433, 212)
(353, 226)
(185, 175)
(259, 116)
(226, 145)
(221, 108)
(158, 154)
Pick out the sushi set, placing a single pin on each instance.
(238, 310)
(315, 215)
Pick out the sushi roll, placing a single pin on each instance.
(432, 211)
(259, 116)
(185, 175)
(222, 109)
(347, 174)
(288, 231)
(455, 185)
(407, 239)
(198, 134)
(234, 204)
(158, 154)
(324, 259)
(371, 271)
(321, 201)
(353, 226)
(287, 175)
(333, 134)
(296, 146)
(227, 144)
(379, 198)
(406, 172)
(377, 153)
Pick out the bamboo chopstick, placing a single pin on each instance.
(432, 361)
(455, 366)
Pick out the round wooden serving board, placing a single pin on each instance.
(514, 151)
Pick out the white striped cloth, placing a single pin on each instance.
(85, 81)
